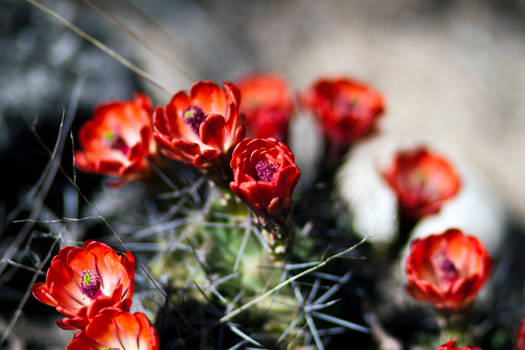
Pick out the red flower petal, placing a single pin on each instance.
(436, 273)
(107, 139)
(83, 344)
(205, 157)
(82, 281)
(117, 329)
(346, 109)
(267, 103)
(422, 181)
(211, 131)
(264, 176)
(199, 128)
(520, 337)
(208, 96)
(450, 346)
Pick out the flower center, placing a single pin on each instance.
(90, 283)
(445, 269)
(344, 107)
(116, 142)
(419, 178)
(265, 170)
(194, 116)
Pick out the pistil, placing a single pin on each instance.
(265, 171)
(194, 116)
(90, 284)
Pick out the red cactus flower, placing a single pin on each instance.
(117, 141)
(200, 128)
(82, 281)
(265, 176)
(346, 109)
(450, 346)
(520, 338)
(268, 104)
(422, 181)
(447, 269)
(116, 329)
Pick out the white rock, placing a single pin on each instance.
(475, 210)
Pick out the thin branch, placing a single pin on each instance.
(288, 281)
(18, 311)
(62, 220)
(51, 171)
(148, 47)
(122, 60)
(25, 267)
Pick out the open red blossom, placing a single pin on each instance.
(447, 269)
(520, 338)
(422, 181)
(82, 281)
(116, 330)
(346, 109)
(117, 141)
(200, 128)
(265, 176)
(267, 103)
(450, 346)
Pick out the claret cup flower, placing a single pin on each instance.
(267, 104)
(116, 329)
(447, 269)
(450, 346)
(265, 176)
(422, 181)
(118, 141)
(82, 281)
(202, 127)
(346, 109)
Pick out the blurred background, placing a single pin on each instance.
(452, 73)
